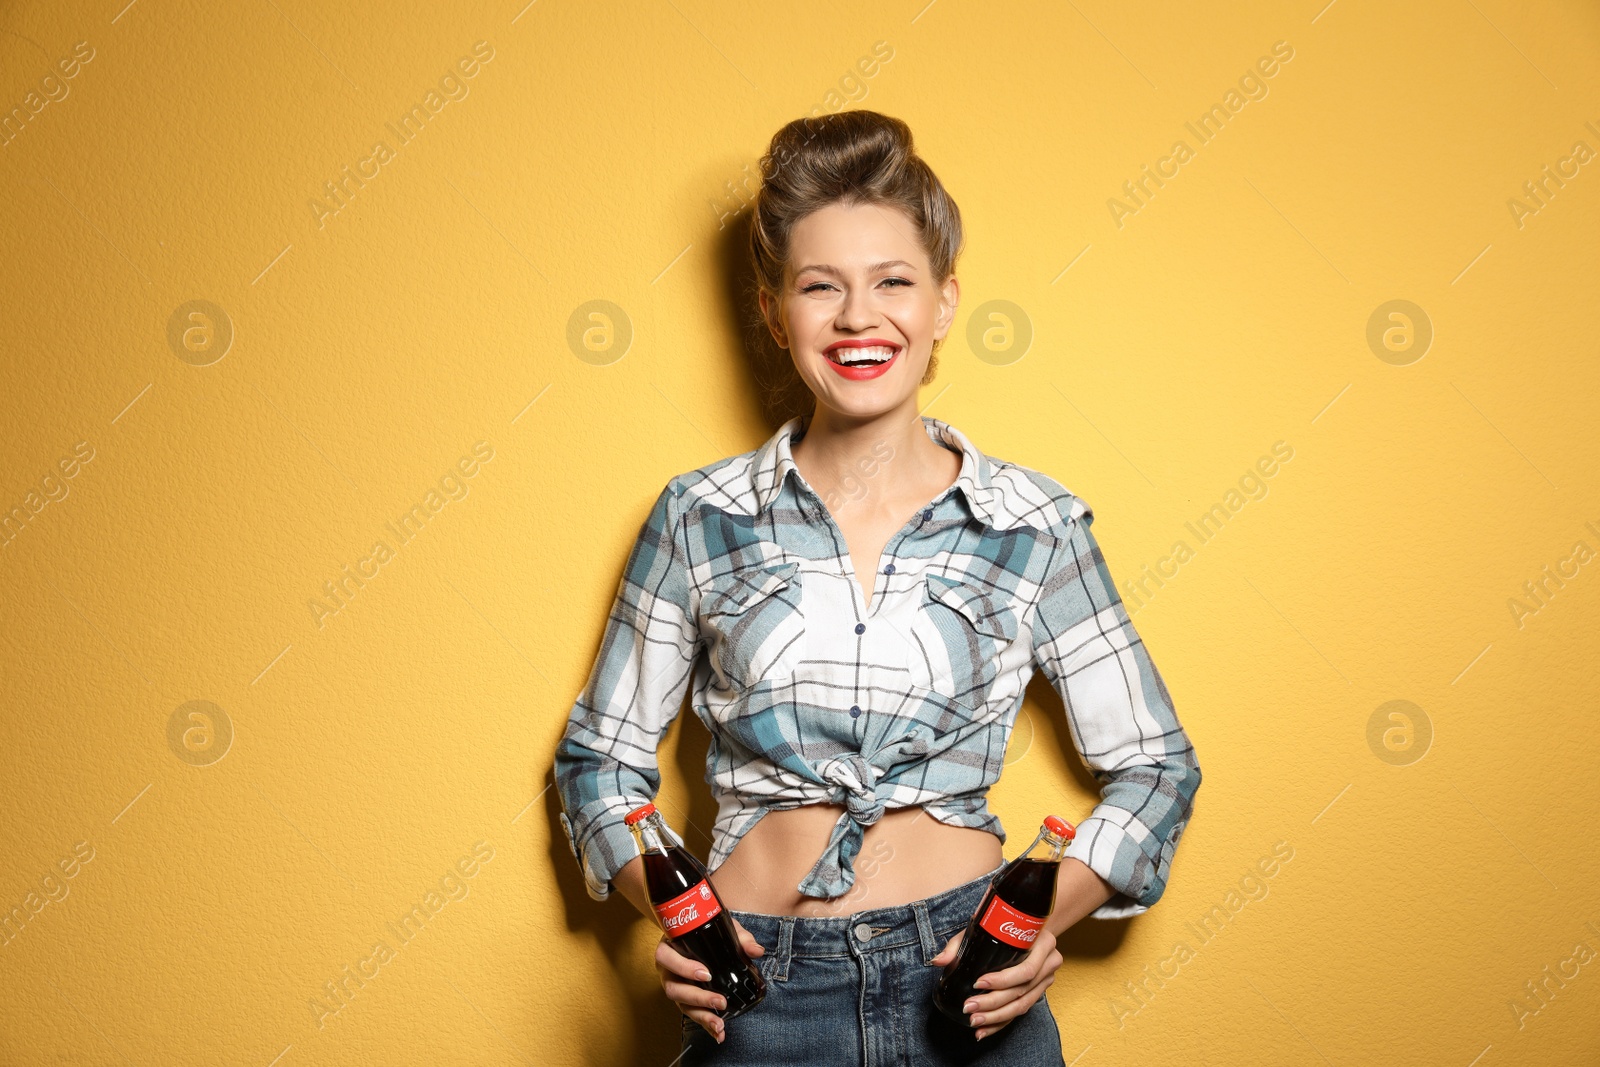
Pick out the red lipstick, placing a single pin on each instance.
(851, 350)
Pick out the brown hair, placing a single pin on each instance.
(853, 157)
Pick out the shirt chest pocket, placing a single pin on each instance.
(753, 624)
(961, 628)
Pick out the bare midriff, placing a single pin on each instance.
(906, 855)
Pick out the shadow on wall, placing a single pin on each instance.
(777, 389)
(1050, 756)
(613, 925)
(778, 393)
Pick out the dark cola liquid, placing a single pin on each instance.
(1026, 885)
(714, 942)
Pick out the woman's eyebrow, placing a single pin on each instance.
(825, 268)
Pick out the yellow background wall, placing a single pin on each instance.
(230, 865)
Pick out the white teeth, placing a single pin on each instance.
(879, 354)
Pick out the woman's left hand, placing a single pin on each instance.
(1006, 994)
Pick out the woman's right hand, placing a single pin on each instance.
(680, 975)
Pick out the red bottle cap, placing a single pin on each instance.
(1060, 827)
(638, 813)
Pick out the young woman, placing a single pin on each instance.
(860, 603)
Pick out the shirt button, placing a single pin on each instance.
(863, 932)
(926, 515)
(889, 569)
(855, 711)
(861, 627)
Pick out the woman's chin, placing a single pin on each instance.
(861, 405)
(865, 399)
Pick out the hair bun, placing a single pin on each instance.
(854, 156)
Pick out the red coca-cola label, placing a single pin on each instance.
(1005, 923)
(688, 910)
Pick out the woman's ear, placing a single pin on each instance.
(949, 300)
(771, 313)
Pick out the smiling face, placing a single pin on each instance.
(859, 311)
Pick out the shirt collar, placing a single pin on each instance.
(986, 498)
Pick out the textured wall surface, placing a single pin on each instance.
(320, 464)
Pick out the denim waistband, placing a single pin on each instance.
(919, 923)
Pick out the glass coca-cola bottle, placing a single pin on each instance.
(691, 913)
(1008, 919)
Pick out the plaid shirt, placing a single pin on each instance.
(741, 581)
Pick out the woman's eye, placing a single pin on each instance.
(815, 286)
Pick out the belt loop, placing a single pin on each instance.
(776, 964)
(919, 909)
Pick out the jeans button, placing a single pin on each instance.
(863, 932)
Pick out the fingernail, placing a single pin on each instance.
(703, 974)
(977, 1020)
(722, 1003)
(970, 1006)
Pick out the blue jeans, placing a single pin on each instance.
(858, 989)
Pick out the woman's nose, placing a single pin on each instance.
(857, 313)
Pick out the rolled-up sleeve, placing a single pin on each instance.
(605, 763)
(1121, 720)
